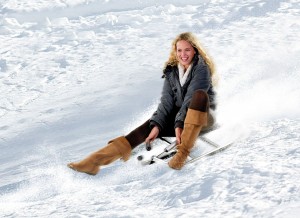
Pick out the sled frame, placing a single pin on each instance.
(171, 150)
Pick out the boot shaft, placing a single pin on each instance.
(193, 124)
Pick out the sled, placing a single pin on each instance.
(207, 144)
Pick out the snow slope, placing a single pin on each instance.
(75, 74)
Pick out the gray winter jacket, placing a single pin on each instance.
(173, 95)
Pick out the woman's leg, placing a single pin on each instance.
(198, 103)
(115, 149)
(138, 135)
(196, 119)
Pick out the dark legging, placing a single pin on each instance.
(198, 102)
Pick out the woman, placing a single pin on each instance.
(187, 98)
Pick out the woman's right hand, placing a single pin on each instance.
(178, 132)
(152, 135)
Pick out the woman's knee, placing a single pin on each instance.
(199, 101)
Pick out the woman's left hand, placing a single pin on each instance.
(178, 132)
(153, 135)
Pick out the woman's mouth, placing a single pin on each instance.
(184, 59)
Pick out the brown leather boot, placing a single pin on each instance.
(117, 148)
(193, 124)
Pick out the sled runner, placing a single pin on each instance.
(206, 145)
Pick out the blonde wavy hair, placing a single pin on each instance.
(192, 39)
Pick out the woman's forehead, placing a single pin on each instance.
(183, 43)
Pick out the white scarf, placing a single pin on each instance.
(183, 75)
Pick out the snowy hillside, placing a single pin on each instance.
(75, 74)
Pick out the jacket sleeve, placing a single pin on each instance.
(165, 106)
(200, 80)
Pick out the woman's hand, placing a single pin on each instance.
(178, 132)
(152, 135)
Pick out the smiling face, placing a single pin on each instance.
(184, 53)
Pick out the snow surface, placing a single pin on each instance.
(77, 73)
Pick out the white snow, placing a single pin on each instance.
(75, 74)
